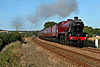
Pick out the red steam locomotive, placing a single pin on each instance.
(68, 32)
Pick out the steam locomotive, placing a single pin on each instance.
(68, 32)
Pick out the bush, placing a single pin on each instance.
(29, 34)
(99, 43)
(1, 41)
(8, 38)
(89, 43)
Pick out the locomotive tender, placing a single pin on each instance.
(68, 32)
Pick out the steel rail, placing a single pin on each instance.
(71, 58)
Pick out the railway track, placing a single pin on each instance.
(81, 59)
(88, 49)
(91, 50)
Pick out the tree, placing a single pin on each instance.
(91, 30)
(98, 32)
(49, 24)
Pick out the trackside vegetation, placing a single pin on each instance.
(29, 34)
(99, 43)
(11, 56)
(6, 38)
(91, 31)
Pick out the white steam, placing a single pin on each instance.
(62, 8)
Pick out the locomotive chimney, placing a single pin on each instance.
(75, 18)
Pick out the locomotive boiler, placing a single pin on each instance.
(68, 32)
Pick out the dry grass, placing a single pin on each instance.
(10, 55)
(93, 38)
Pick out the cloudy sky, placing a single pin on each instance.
(32, 14)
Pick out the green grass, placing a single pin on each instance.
(11, 56)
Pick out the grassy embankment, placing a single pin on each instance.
(10, 54)
(10, 57)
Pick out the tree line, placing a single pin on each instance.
(91, 31)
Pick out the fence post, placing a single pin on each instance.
(96, 42)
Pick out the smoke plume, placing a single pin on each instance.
(62, 8)
(17, 23)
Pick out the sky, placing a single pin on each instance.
(32, 14)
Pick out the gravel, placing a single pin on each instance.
(88, 53)
(36, 56)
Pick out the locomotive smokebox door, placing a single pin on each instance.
(75, 18)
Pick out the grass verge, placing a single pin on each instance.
(11, 56)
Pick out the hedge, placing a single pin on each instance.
(8, 38)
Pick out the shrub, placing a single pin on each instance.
(1, 41)
(8, 38)
(99, 43)
(89, 43)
